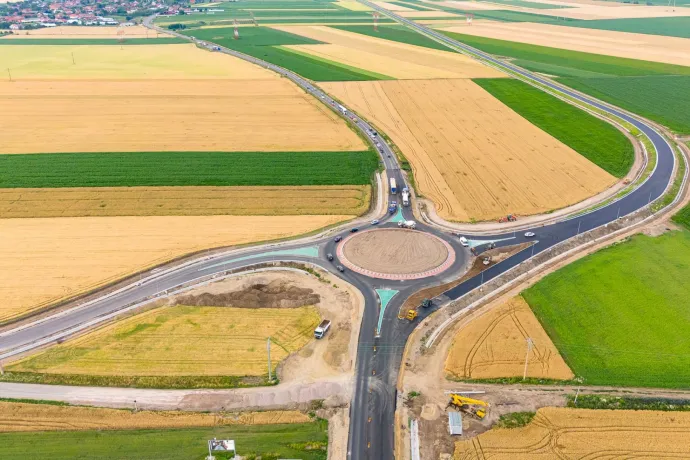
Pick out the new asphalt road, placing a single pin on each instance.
(378, 357)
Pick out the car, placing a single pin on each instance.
(329, 256)
(464, 242)
(375, 222)
(389, 155)
(340, 268)
(338, 239)
(529, 234)
(354, 230)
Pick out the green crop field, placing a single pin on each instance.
(512, 16)
(306, 441)
(593, 138)
(186, 168)
(264, 43)
(683, 217)
(663, 98)
(396, 33)
(412, 6)
(620, 316)
(90, 41)
(654, 90)
(527, 4)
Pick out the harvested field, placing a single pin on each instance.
(44, 260)
(352, 5)
(585, 433)
(184, 201)
(494, 345)
(93, 62)
(392, 6)
(475, 158)
(40, 417)
(398, 60)
(395, 251)
(655, 48)
(147, 116)
(89, 32)
(589, 12)
(182, 341)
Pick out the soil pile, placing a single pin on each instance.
(276, 294)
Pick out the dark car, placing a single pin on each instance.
(340, 268)
(338, 239)
(329, 256)
(354, 230)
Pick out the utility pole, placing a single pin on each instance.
(577, 393)
(136, 409)
(73, 63)
(268, 351)
(529, 348)
(9, 73)
(2, 371)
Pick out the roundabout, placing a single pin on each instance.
(395, 254)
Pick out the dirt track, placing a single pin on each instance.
(395, 251)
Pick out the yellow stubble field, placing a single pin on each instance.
(585, 434)
(398, 60)
(181, 341)
(474, 157)
(41, 417)
(672, 50)
(255, 111)
(494, 345)
(137, 31)
(44, 260)
(184, 201)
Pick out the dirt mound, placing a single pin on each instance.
(276, 294)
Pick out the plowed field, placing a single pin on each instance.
(494, 345)
(40, 417)
(46, 259)
(180, 340)
(88, 32)
(398, 60)
(177, 115)
(645, 47)
(475, 158)
(582, 433)
(184, 201)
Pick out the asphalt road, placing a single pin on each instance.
(378, 358)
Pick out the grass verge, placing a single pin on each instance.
(515, 419)
(624, 403)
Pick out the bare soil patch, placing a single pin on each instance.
(275, 294)
(395, 251)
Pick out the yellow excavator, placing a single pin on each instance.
(474, 407)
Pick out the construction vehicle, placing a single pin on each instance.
(508, 218)
(473, 407)
(407, 224)
(411, 314)
(426, 303)
(322, 328)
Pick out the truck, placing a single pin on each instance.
(342, 109)
(407, 224)
(394, 187)
(406, 196)
(322, 328)
(392, 207)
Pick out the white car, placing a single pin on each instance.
(375, 222)
(529, 234)
(464, 242)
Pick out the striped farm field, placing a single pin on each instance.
(182, 341)
(79, 32)
(45, 260)
(184, 201)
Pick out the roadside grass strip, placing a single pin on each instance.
(186, 168)
(307, 441)
(310, 251)
(593, 138)
(619, 317)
